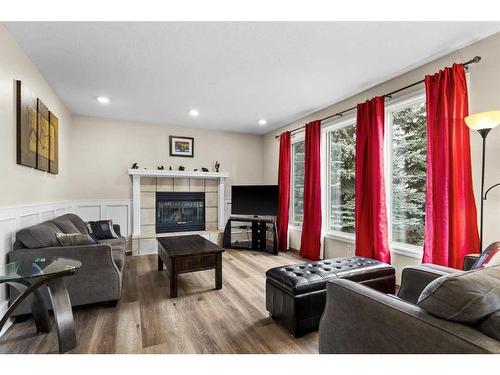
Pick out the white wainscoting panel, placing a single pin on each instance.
(120, 214)
(15, 218)
(89, 212)
(28, 220)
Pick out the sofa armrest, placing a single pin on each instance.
(358, 319)
(414, 279)
(93, 257)
(98, 279)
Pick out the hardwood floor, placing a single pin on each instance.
(200, 320)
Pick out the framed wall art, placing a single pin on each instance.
(42, 159)
(37, 132)
(27, 115)
(181, 146)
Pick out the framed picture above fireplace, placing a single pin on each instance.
(181, 146)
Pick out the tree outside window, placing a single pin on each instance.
(297, 183)
(409, 150)
(342, 144)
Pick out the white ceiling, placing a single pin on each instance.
(233, 73)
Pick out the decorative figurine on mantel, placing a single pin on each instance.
(203, 169)
(161, 168)
(217, 166)
(170, 168)
(181, 168)
(195, 169)
(135, 166)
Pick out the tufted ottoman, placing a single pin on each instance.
(296, 294)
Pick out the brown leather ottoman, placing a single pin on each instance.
(296, 294)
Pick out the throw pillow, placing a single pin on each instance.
(102, 229)
(38, 236)
(74, 239)
(465, 297)
(489, 257)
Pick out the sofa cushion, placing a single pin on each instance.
(65, 225)
(465, 297)
(76, 220)
(74, 239)
(102, 229)
(491, 325)
(40, 235)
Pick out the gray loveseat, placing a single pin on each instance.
(100, 277)
(358, 319)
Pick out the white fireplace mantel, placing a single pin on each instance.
(136, 175)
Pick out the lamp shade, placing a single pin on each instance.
(483, 120)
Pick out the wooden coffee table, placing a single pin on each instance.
(191, 253)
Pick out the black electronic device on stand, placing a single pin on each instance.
(253, 225)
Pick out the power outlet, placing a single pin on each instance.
(349, 249)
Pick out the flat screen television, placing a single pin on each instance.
(254, 200)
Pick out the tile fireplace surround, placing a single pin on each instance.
(145, 184)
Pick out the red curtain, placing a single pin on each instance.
(370, 210)
(284, 190)
(310, 244)
(450, 215)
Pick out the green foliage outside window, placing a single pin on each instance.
(342, 144)
(409, 153)
(298, 183)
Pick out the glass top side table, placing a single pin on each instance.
(27, 277)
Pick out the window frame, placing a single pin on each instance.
(392, 106)
(329, 127)
(296, 138)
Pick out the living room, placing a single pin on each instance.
(240, 188)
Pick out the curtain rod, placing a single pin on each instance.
(466, 64)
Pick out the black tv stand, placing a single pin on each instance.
(260, 227)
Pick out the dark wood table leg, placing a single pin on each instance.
(38, 308)
(63, 314)
(218, 272)
(172, 272)
(160, 264)
(40, 313)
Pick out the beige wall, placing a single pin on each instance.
(103, 150)
(23, 185)
(484, 94)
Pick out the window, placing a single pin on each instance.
(341, 162)
(297, 183)
(407, 161)
(405, 174)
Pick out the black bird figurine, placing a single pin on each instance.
(135, 166)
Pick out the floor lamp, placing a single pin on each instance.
(483, 123)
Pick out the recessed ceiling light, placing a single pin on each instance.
(262, 122)
(194, 113)
(103, 99)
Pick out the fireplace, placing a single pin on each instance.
(180, 212)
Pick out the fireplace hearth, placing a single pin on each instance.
(180, 211)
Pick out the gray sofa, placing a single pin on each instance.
(100, 277)
(358, 319)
